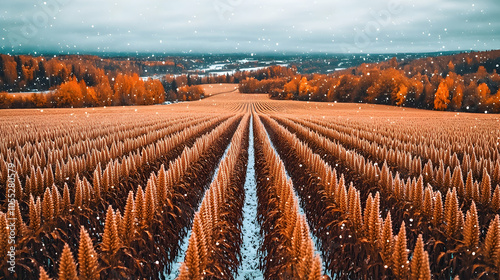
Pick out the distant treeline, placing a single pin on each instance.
(88, 81)
(126, 90)
(462, 82)
(27, 73)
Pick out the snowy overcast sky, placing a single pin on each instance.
(228, 26)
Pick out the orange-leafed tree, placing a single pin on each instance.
(345, 88)
(415, 91)
(91, 97)
(471, 99)
(384, 90)
(103, 90)
(155, 93)
(441, 98)
(122, 88)
(494, 102)
(427, 99)
(292, 87)
(138, 92)
(247, 85)
(401, 95)
(451, 66)
(481, 72)
(487, 101)
(483, 91)
(191, 93)
(304, 89)
(69, 94)
(456, 101)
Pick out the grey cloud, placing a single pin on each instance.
(248, 26)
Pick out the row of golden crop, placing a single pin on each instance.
(215, 239)
(427, 202)
(90, 154)
(480, 192)
(453, 147)
(41, 167)
(45, 213)
(265, 106)
(442, 132)
(86, 133)
(78, 139)
(33, 127)
(344, 207)
(115, 167)
(288, 247)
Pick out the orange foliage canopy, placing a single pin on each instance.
(441, 99)
(69, 94)
(189, 93)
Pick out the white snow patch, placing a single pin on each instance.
(249, 268)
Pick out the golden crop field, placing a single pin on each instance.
(238, 186)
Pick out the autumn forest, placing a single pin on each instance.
(463, 82)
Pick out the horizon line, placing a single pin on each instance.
(180, 54)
